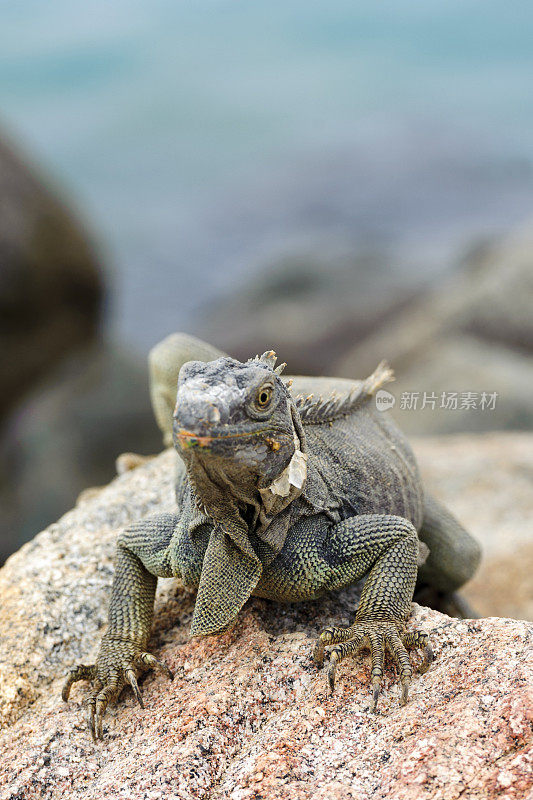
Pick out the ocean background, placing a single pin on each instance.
(206, 141)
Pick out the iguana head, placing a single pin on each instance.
(238, 420)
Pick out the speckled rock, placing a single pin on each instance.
(247, 715)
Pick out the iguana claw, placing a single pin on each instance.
(119, 662)
(378, 637)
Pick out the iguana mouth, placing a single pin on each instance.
(190, 439)
(187, 439)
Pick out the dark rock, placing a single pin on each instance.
(471, 333)
(51, 284)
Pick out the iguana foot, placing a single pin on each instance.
(377, 637)
(120, 661)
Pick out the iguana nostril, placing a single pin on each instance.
(213, 414)
(194, 413)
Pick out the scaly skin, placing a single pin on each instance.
(282, 498)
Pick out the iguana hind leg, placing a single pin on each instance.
(454, 556)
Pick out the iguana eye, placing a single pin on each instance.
(264, 396)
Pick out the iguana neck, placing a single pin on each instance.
(219, 495)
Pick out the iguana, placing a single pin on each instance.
(282, 495)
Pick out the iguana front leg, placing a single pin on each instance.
(385, 547)
(143, 554)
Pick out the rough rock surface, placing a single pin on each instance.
(247, 715)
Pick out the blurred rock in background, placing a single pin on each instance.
(471, 332)
(310, 308)
(486, 480)
(69, 404)
(51, 282)
(66, 436)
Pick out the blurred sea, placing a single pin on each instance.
(206, 140)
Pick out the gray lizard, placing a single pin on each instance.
(281, 495)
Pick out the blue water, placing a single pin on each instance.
(205, 140)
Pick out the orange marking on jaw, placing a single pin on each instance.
(189, 439)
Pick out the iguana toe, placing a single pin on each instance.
(83, 672)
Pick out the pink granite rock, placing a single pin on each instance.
(248, 715)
